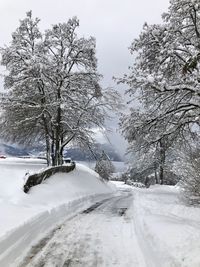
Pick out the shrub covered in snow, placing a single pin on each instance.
(135, 184)
(117, 176)
(104, 167)
(171, 178)
(134, 176)
(188, 167)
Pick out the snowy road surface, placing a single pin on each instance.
(102, 235)
(139, 228)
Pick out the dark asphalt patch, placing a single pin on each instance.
(122, 211)
(94, 206)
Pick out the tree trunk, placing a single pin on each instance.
(47, 141)
(53, 152)
(156, 175)
(48, 151)
(57, 150)
(161, 174)
(162, 161)
(58, 156)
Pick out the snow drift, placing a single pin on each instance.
(27, 217)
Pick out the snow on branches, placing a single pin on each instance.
(104, 166)
(54, 91)
(165, 77)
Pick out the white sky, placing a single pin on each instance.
(114, 24)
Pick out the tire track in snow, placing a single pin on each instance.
(100, 236)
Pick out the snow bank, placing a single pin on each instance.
(26, 217)
(168, 231)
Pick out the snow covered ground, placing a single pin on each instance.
(155, 229)
(25, 217)
(98, 237)
(168, 231)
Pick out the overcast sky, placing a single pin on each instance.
(114, 24)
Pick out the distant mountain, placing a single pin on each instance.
(74, 152)
(84, 155)
(9, 150)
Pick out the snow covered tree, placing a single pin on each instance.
(23, 119)
(187, 166)
(70, 69)
(104, 166)
(165, 79)
(53, 91)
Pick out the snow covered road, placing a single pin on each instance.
(76, 219)
(102, 235)
(134, 228)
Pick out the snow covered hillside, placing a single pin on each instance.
(25, 217)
